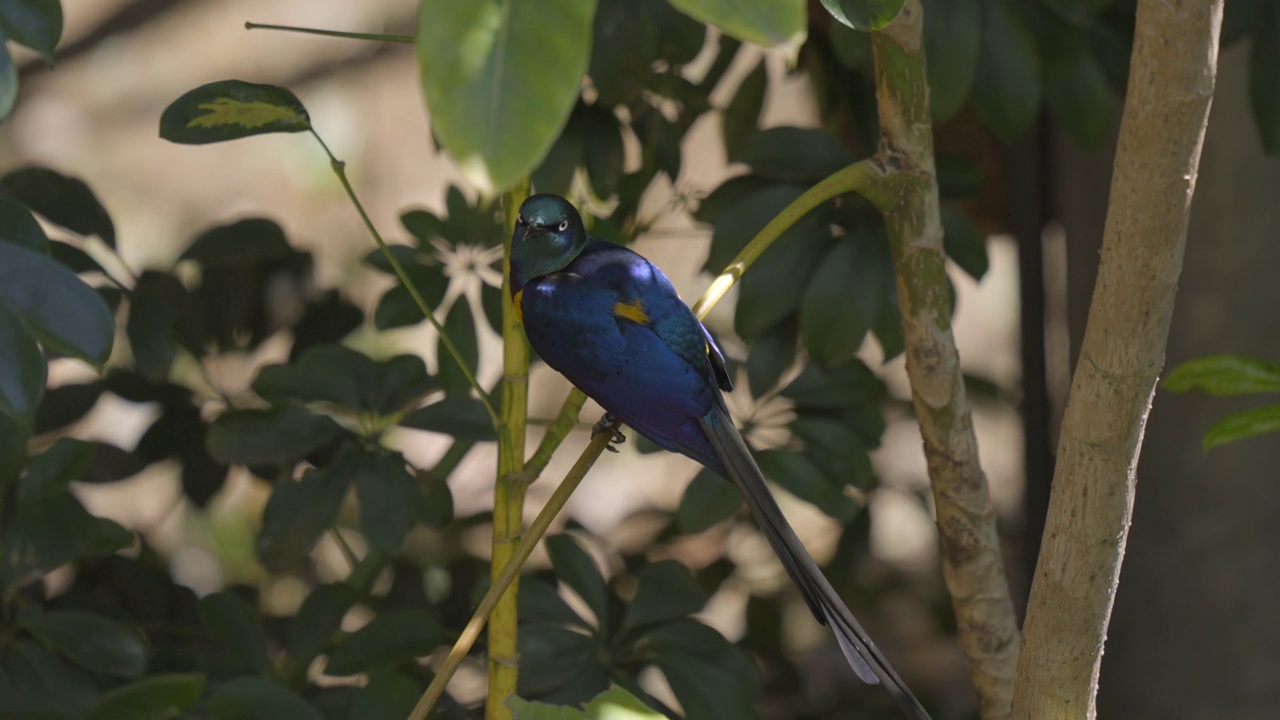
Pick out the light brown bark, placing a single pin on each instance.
(1171, 85)
(972, 564)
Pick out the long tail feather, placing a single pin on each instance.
(863, 655)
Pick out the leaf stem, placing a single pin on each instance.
(340, 169)
(376, 37)
(532, 536)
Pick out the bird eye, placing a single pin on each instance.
(564, 225)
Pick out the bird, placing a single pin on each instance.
(611, 322)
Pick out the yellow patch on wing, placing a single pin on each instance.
(633, 311)
(228, 111)
(515, 299)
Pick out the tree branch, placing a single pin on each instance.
(1174, 66)
(972, 563)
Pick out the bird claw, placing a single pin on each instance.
(608, 425)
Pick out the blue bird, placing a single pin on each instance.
(611, 322)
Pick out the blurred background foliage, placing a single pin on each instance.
(269, 497)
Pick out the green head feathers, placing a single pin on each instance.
(549, 235)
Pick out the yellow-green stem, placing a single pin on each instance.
(866, 177)
(508, 495)
(340, 169)
(508, 575)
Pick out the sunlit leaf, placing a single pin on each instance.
(864, 15)
(1243, 425)
(495, 117)
(768, 23)
(1224, 375)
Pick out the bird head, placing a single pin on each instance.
(549, 235)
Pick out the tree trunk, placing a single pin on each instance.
(1170, 88)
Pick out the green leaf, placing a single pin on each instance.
(618, 704)
(952, 41)
(63, 200)
(346, 378)
(250, 241)
(386, 695)
(156, 697)
(51, 688)
(22, 369)
(235, 623)
(461, 329)
(66, 404)
(965, 243)
(864, 15)
(1243, 425)
(612, 704)
(575, 568)
(556, 171)
(524, 710)
(1081, 98)
(708, 500)
(837, 449)
(299, 512)
(317, 621)
(803, 478)
(842, 300)
(1224, 375)
(8, 82)
(741, 118)
(793, 154)
(1006, 89)
(739, 211)
(34, 23)
(555, 659)
(540, 603)
(155, 309)
(278, 435)
(91, 641)
(17, 225)
(1264, 78)
(50, 527)
(712, 679)
(69, 317)
(833, 388)
(495, 117)
(774, 288)
(396, 307)
(666, 592)
(75, 259)
(393, 637)
(229, 110)
(389, 497)
(771, 355)
(463, 417)
(602, 149)
(768, 23)
(252, 698)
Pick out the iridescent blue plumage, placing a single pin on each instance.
(611, 322)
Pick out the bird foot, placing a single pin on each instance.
(608, 425)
